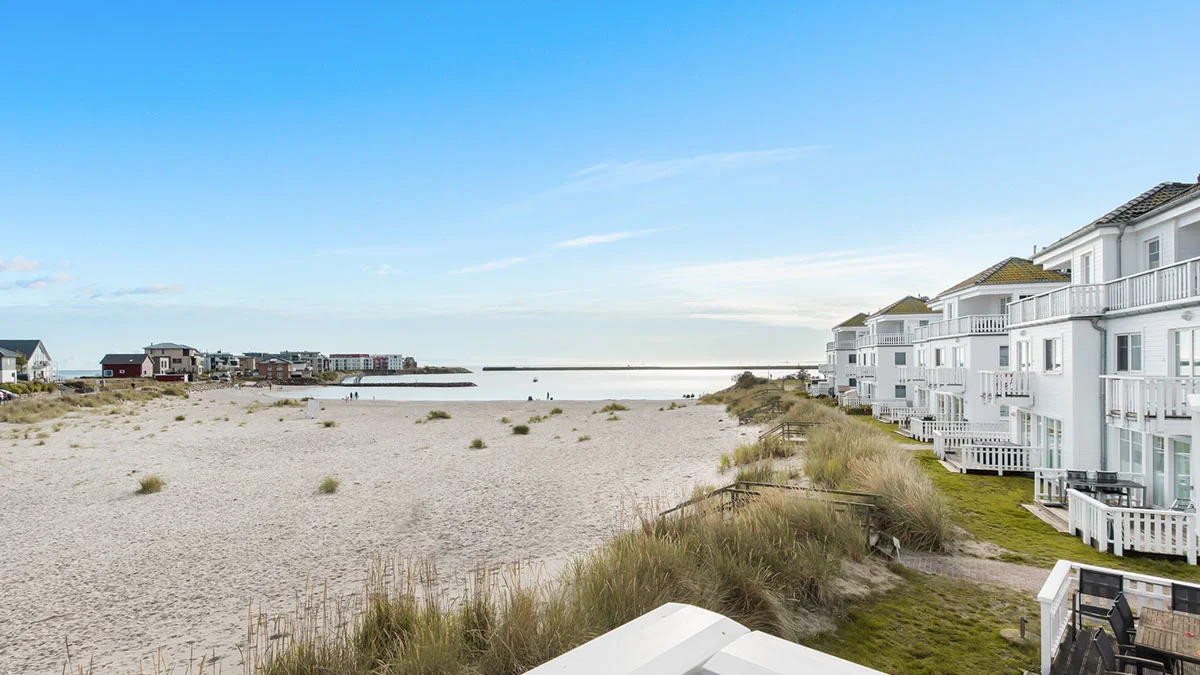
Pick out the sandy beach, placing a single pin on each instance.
(117, 576)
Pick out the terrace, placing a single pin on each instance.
(933, 376)
(1138, 399)
(978, 324)
(998, 385)
(885, 340)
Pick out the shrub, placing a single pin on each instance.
(556, 411)
(612, 417)
(761, 472)
(858, 410)
(148, 485)
(747, 380)
(584, 437)
(505, 420)
(286, 403)
(437, 415)
(478, 444)
(521, 429)
(536, 418)
(328, 424)
(329, 485)
(180, 418)
(613, 407)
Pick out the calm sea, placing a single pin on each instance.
(562, 385)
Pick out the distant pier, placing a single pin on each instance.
(790, 366)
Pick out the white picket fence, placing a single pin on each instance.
(922, 430)
(888, 410)
(996, 385)
(1132, 529)
(1141, 590)
(1000, 457)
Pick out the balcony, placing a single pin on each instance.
(1163, 287)
(1005, 384)
(978, 324)
(1137, 399)
(827, 369)
(885, 340)
(933, 376)
(839, 344)
(860, 371)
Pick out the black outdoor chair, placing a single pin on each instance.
(1185, 598)
(1103, 491)
(1104, 585)
(1120, 620)
(1120, 663)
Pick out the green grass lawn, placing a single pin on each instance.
(989, 507)
(937, 625)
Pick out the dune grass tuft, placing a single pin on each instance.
(180, 418)
(478, 444)
(329, 424)
(437, 415)
(614, 407)
(505, 420)
(148, 485)
(521, 429)
(584, 438)
(556, 411)
(329, 485)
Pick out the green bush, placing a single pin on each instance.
(437, 415)
(329, 485)
(478, 444)
(614, 407)
(148, 485)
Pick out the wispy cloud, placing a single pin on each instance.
(383, 270)
(594, 239)
(641, 171)
(18, 264)
(497, 264)
(153, 289)
(38, 283)
(760, 271)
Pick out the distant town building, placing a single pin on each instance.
(185, 360)
(275, 369)
(387, 362)
(128, 365)
(316, 361)
(350, 362)
(220, 361)
(247, 364)
(8, 366)
(33, 362)
(410, 363)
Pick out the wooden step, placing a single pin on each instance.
(1052, 516)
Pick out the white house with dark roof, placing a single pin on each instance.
(883, 348)
(33, 361)
(840, 354)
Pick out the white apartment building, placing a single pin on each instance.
(1100, 370)
(885, 347)
(840, 354)
(350, 362)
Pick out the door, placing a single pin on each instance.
(1158, 480)
(1181, 460)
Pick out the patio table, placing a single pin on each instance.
(1172, 634)
(1091, 485)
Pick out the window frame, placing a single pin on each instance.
(900, 358)
(900, 391)
(1157, 263)
(1133, 353)
(1052, 352)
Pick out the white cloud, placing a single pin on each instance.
(647, 171)
(848, 265)
(383, 270)
(39, 283)
(592, 240)
(496, 264)
(18, 264)
(153, 289)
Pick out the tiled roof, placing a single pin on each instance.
(906, 305)
(1010, 271)
(1157, 197)
(123, 359)
(856, 320)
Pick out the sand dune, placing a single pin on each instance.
(85, 562)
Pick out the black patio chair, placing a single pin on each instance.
(1113, 662)
(1102, 490)
(1185, 598)
(1103, 585)
(1120, 620)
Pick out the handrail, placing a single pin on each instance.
(970, 324)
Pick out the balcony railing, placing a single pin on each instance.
(922, 429)
(1005, 384)
(839, 344)
(827, 368)
(885, 340)
(933, 376)
(1141, 398)
(860, 371)
(1162, 286)
(977, 324)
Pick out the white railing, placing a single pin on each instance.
(885, 339)
(1155, 397)
(945, 442)
(1075, 300)
(827, 368)
(839, 344)
(1180, 281)
(933, 376)
(973, 324)
(1131, 529)
(903, 414)
(1048, 485)
(830, 346)
(1000, 456)
(1000, 384)
(848, 400)
(910, 373)
(860, 371)
(923, 429)
(884, 410)
(1141, 590)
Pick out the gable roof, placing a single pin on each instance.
(1157, 197)
(7, 353)
(123, 359)
(25, 348)
(1010, 271)
(856, 320)
(167, 345)
(909, 304)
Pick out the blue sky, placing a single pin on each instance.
(625, 182)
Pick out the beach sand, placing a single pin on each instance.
(118, 577)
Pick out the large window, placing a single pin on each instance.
(1131, 451)
(939, 357)
(1004, 303)
(1053, 438)
(1153, 254)
(1052, 354)
(1181, 460)
(901, 358)
(1186, 342)
(1158, 466)
(853, 359)
(1129, 352)
(1085, 268)
(960, 360)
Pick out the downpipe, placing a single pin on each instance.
(1095, 321)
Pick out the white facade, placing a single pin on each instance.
(350, 362)
(37, 366)
(840, 354)
(8, 366)
(885, 348)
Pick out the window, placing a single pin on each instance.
(853, 382)
(1153, 254)
(1004, 303)
(108, 373)
(1003, 356)
(1024, 356)
(960, 360)
(1004, 411)
(1085, 268)
(1129, 352)
(1053, 436)
(1181, 455)
(1185, 350)
(921, 357)
(1131, 451)
(939, 357)
(949, 310)
(873, 356)
(923, 322)
(1158, 465)
(1052, 354)
(853, 358)
(901, 358)
(901, 391)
